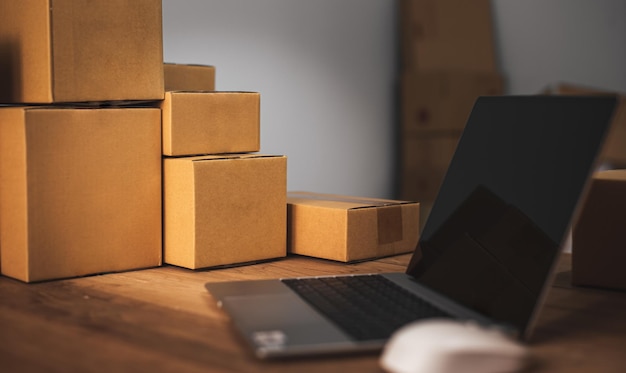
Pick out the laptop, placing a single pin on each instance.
(486, 253)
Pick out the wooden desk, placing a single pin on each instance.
(162, 320)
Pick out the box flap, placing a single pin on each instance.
(215, 157)
(340, 201)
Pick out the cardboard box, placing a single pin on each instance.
(80, 50)
(179, 77)
(348, 229)
(80, 191)
(598, 240)
(443, 100)
(424, 163)
(224, 209)
(447, 34)
(614, 150)
(210, 122)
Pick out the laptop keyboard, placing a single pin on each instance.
(367, 307)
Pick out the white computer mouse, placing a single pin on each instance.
(447, 346)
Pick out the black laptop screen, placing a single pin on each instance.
(507, 200)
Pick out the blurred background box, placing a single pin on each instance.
(80, 50)
(434, 108)
(446, 34)
(210, 122)
(425, 163)
(183, 77)
(599, 238)
(447, 60)
(224, 209)
(442, 100)
(80, 191)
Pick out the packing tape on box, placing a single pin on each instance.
(366, 202)
(389, 224)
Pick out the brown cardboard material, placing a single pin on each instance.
(435, 106)
(614, 150)
(598, 241)
(224, 209)
(210, 122)
(347, 229)
(80, 191)
(425, 161)
(80, 50)
(447, 34)
(181, 77)
(443, 100)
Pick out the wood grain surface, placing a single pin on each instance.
(163, 320)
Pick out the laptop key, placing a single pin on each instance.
(367, 307)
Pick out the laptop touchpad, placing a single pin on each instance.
(281, 318)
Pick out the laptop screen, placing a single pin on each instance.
(507, 200)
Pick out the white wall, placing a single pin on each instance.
(326, 69)
(543, 42)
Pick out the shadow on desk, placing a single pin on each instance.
(580, 329)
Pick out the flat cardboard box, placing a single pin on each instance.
(197, 122)
(443, 100)
(347, 228)
(80, 50)
(182, 77)
(447, 34)
(224, 209)
(80, 192)
(598, 241)
(614, 150)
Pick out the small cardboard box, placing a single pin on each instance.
(348, 229)
(443, 100)
(224, 209)
(614, 150)
(80, 50)
(197, 123)
(80, 191)
(180, 77)
(598, 241)
(447, 34)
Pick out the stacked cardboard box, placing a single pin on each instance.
(81, 146)
(223, 205)
(189, 77)
(74, 51)
(447, 60)
(73, 175)
(80, 185)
